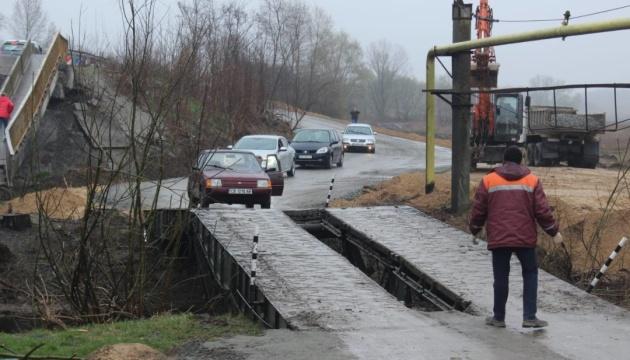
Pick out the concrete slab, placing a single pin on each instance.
(583, 326)
(316, 290)
(28, 79)
(6, 63)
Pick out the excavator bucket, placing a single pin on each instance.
(484, 78)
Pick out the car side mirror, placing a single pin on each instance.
(195, 168)
(375, 133)
(334, 143)
(230, 147)
(528, 101)
(498, 110)
(284, 148)
(272, 164)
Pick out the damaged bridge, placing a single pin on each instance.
(390, 282)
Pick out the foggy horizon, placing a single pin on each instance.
(417, 27)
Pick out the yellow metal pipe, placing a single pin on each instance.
(548, 33)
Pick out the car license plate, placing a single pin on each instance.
(240, 191)
(306, 156)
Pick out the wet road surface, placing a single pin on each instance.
(309, 187)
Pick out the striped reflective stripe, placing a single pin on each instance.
(494, 182)
(510, 187)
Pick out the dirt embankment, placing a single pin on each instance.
(579, 197)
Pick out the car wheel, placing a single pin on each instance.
(205, 203)
(373, 150)
(192, 202)
(291, 172)
(340, 163)
(249, 206)
(266, 204)
(329, 163)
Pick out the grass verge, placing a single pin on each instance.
(162, 332)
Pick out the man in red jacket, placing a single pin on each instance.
(510, 201)
(6, 108)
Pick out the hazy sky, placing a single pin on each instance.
(419, 24)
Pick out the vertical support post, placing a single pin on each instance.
(430, 124)
(330, 189)
(254, 266)
(606, 265)
(460, 169)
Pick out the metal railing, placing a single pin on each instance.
(38, 95)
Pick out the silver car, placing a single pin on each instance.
(359, 137)
(264, 145)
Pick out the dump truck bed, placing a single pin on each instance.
(546, 118)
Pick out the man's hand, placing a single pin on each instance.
(558, 239)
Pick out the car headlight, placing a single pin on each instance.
(264, 184)
(213, 183)
(322, 150)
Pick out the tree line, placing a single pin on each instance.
(244, 62)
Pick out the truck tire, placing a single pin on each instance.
(537, 155)
(539, 160)
(530, 153)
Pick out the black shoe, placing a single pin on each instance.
(535, 323)
(491, 321)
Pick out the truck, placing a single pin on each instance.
(548, 134)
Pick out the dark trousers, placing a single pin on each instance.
(3, 126)
(501, 269)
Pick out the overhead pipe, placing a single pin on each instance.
(562, 31)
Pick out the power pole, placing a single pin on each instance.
(460, 164)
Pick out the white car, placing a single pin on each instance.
(16, 47)
(359, 137)
(264, 145)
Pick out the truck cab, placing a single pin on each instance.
(490, 137)
(508, 126)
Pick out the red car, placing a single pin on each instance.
(234, 177)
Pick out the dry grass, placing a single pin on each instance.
(57, 203)
(400, 134)
(578, 197)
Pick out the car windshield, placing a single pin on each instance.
(256, 143)
(321, 136)
(232, 161)
(10, 47)
(358, 130)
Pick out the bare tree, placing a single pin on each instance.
(386, 62)
(28, 20)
